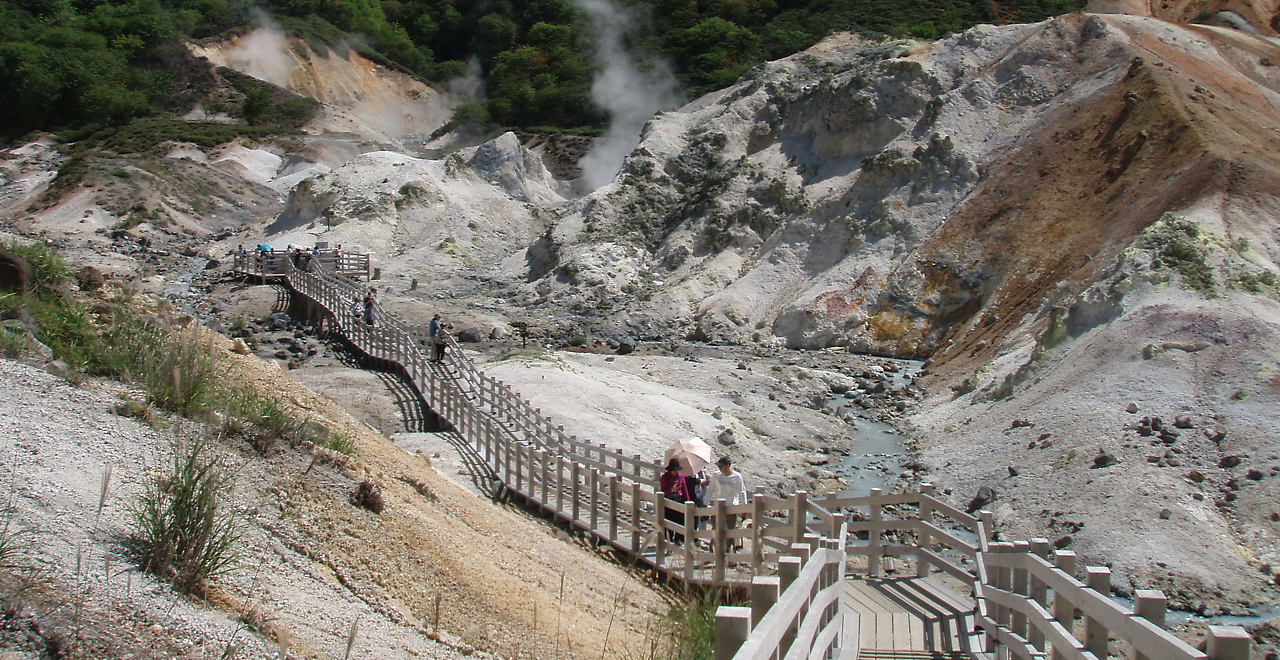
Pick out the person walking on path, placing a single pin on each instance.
(728, 485)
(433, 334)
(369, 311)
(673, 488)
(696, 486)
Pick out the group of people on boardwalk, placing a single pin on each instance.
(681, 484)
(366, 310)
(437, 335)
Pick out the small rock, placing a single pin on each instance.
(1165, 514)
(1216, 433)
(1104, 459)
(1230, 461)
(1013, 472)
(1063, 541)
(90, 279)
(1199, 497)
(1156, 424)
(58, 368)
(1183, 422)
(985, 495)
(1196, 476)
(1254, 475)
(470, 335)
(1019, 423)
(1131, 408)
(1168, 435)
(726, 437)
(742, 366)
(497, 333)
(626, 345)
(240, 348)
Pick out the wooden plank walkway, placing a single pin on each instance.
(910, 618)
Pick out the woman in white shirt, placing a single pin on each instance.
(729, 486)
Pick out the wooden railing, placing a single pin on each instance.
(802, 542)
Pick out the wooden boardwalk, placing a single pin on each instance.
(910, 618)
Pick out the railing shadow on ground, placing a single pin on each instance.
(794, 551)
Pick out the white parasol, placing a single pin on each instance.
(693, 454)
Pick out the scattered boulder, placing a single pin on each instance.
(16, 273)
(726, 437)
(279, 321)
(1254, 474)
(497, 333)
(91, 279)
(1132, 408)
(985, 496)
(1165, 514)
(470, 335)
(1183, 422)
(1063, 541)
(1168, 435)
(1013, 472)
(240, 348)
(1230, 461)
(1196, 476)
(1216, 433)
(626, 345)
(1020, 423)
(1104, 459)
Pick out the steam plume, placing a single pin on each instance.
(470, 87)
(264, 53)
(629, 92)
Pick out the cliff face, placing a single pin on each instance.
(888, 198)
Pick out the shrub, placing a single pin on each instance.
(183, 532)
(578, 340)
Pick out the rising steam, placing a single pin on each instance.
(629, 92)
(264, 53)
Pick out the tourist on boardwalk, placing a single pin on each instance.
(728, 485)
(674, 488)
(433, 334)
(369, 307)
(442, 341)
(696, 485)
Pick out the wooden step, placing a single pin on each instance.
(905, 654)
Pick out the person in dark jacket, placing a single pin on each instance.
(673, 488)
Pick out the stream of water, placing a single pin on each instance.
(876, 451)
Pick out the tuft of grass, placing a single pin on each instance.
(182, 529)
(577, 341)
(340, 442)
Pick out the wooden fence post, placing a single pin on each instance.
(689, 545)
(1064, 611)
(800, 515)
(595, 501)
(733, 627)
(721, 540)
(1020, 587)
(1039, 592)
(1097, 578)
(924, 540)
(789, 568)
(659, 517)
(764, 593)
(757, 529)
(560, 483)
(519, 451)
(1228, 643)
(613, 507)
(544, 475)
(635, 519)
(1151, 605)
(873, 537)
(1002, 580)
(575, 502)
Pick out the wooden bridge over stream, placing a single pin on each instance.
(889, 575)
